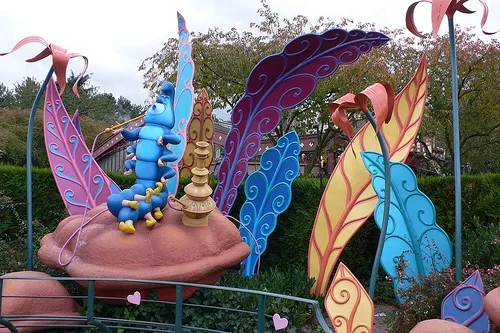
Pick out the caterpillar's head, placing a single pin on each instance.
(162, 112)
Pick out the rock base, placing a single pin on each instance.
(32, 305)
(441, 326)
(492, 305)
(169, 251)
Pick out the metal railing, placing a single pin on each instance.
(90, 320)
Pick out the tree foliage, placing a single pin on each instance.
(25, 92)
(97, 111)
(15, 129)
(224, 59)
(6, 96)
(97, 105)
(92, 103)
(126, 110)
(478, 87)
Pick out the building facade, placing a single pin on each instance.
(111, 154)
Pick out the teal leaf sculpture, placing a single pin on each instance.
(414, 245)
(268, 192)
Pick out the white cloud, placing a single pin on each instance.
(117, 36)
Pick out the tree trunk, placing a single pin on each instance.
(311, 164)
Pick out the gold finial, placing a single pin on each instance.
(197, 203)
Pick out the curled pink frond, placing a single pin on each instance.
(338, 112)
(381, 95)
(42, 55)
(86, 60)
(27, 40)
(60, 59)
(460, 7)
(410, 19)
(390, 98)
(485, 17)
(440, 8)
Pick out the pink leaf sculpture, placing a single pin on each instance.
(80, 180)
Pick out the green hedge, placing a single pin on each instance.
(288, 245)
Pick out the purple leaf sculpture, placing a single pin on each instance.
(279, 82)
(115, 189)
(80, 180)
(464, 305)
(76, 122)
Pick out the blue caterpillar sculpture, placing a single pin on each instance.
(148, 158)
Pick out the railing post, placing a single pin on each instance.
(178, 309)
(1, 295)
(321, 319)
(29, 165)
(90, 307)
(261, 316)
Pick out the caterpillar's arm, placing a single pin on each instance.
(169, 137)
(131, 151)
(131, 135)
(129, 167)
(168, 156)
(168, 173)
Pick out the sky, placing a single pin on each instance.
(117, 36)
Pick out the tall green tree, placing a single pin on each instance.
(224, 60)
(14, 130)
(97, 111)
(95, 104)
(25, 92)
(102, 106)
(126, 110)
(85, 90)
(479, 98)
(6, 96)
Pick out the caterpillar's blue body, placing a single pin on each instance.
(149, 157)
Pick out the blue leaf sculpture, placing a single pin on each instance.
(268, 192)
(464, 305)
(414, 245)
(183, 100)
